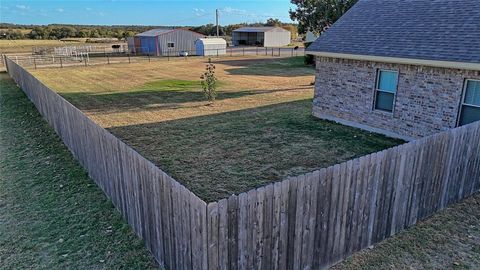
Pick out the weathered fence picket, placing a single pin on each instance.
(310, 221)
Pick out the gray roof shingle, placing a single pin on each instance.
(442, 30)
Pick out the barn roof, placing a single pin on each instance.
(257, 29)
(154, 32)
(206, 41)
(434, 30)
(161, 31)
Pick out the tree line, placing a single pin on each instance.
(59, 31)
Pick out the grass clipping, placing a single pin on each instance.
(209, 82)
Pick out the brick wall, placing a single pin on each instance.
(427, 101)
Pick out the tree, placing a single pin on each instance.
(209, 82)
(273, 22)
(318, 15)
(292, 28)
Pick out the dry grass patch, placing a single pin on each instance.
(259, 130)
(137, 93)
(26, 45)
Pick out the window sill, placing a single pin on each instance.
(382, 112)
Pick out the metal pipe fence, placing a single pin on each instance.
(112, 57)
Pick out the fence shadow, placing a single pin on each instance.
(145, 100)
(282, 67)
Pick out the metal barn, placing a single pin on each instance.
(261, 36)
(166, 41)
(211, 46)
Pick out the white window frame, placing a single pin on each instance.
(462, 102)
(377, 81)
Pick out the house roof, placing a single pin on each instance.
(161, 31)
(434, 30)
(256, 29)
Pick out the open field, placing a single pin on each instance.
(260, 129)
(52, 216)
(27, 45)
(50, 198)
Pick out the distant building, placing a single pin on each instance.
(310, 37)
(165, 41)
(211, 46)
(261, 36)
(131, 44)
(407, 69)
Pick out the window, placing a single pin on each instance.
(170, 44)
(385, 90)
(470, 109)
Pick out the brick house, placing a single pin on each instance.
(406, 69)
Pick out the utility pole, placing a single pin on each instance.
(216, 17)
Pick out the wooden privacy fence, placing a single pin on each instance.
(310, 221)
(170, 218)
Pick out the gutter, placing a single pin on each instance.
(398, 60)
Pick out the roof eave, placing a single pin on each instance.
(398, 60)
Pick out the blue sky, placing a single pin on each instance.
(122, 12)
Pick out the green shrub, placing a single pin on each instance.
(309, 59)
(209, 82)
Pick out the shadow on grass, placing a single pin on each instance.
(280, 67)
(149, 99)
(233, 152)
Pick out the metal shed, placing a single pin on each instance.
(211, 46)
(261, 36)
(166, 41)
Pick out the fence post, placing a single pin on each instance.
(129, 58)
(256, 51)
(279, 51)
(4, 57)
(231, 52)
(148, 57)
(244, 51)
(266, 50)
(61, 62)
(86, 61)
(108, 60)
(292, 52)
(272, 51)
(34, 62)
(217, 53)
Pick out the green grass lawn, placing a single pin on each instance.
(52, 216)
(232, 152)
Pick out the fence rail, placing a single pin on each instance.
(310, 221)
(114, 57)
